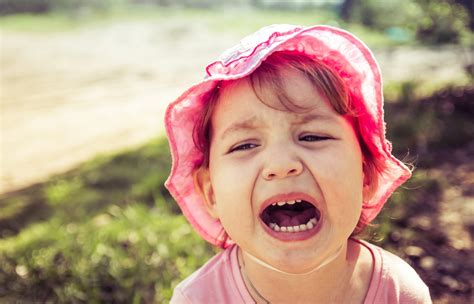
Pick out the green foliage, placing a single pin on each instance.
(379, 14)
(442, 122)
(216, 20)
(443, 22)
(20, 6)
(431, 21)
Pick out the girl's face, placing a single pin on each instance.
(261, 155)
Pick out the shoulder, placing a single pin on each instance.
(394, 280)
(212, 283)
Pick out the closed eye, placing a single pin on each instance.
(314, 138)
(243, 147)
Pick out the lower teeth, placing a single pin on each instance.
(303, 227)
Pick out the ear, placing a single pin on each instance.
(368, 187)
(203, 185)
(367, 193)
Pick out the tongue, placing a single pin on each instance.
(290, 217)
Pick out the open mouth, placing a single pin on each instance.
(291, 216)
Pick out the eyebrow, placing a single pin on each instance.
(314, 116)
(252, 123)
(248, 124)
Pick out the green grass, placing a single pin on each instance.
(106, 231)
(38, 23)
(119, 254)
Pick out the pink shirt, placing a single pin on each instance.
(220, 281)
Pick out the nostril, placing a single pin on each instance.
(293, 171)
(271, 175)
(281, 170)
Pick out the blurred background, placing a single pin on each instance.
(84, 216)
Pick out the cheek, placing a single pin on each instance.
(339, 162)
(338, 173)
(232, 185)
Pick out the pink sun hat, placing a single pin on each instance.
(342, 51)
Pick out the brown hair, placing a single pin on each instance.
(269, 75)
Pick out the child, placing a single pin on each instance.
(280, 158)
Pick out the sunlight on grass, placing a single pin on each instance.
(55, 22)
(33, 23)
(62, 190)
(111, 223)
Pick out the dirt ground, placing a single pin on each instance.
(65, 97)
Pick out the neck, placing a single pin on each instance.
(333, 257)
(267, 284)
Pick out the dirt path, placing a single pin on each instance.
(69, 96)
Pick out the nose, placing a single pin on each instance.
(282, 166)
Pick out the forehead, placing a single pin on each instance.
(294, 94)
(240, 102)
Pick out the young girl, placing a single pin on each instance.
(280, 158)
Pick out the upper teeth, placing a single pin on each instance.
(292, 202)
